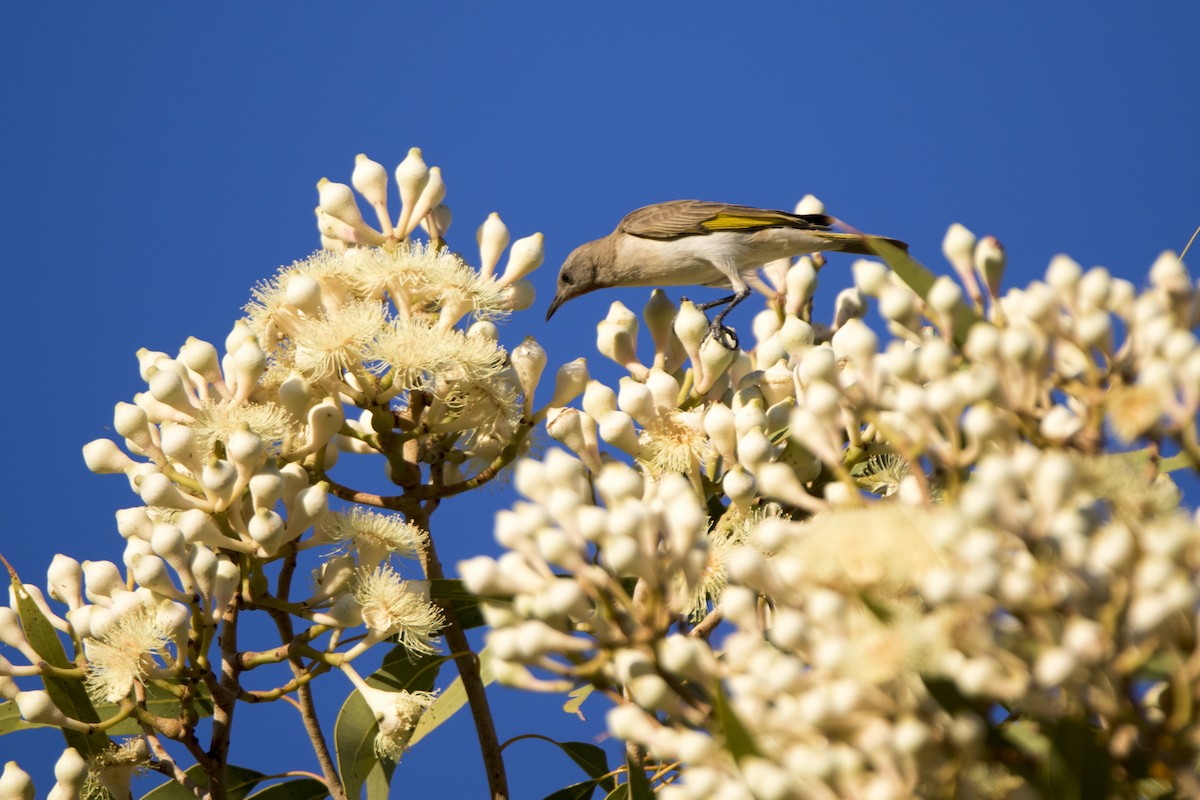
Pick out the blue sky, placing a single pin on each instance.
(159, 160)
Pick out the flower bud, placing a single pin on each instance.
(721, 430)
(691, 326)
(16, 783)
(64, 581)
(569, 382)
(431, 196)
(103, 457)
(157, 489)
(636, 400)
(989, 263)
(201, 358)
(616, 428)
(577, 431)
(524, 257)
(179, 444)
(492, 238)
(659, 314)
(370, 178)
(411, 178)
(715, 359)
(801, 282)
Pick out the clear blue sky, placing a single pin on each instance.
(158, 160)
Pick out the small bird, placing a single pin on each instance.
(694, 242)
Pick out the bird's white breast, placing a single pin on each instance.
(693, 260)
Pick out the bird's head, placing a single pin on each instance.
(578, 274)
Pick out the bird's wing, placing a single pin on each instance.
(678, 218)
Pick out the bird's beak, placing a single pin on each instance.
(558, 301)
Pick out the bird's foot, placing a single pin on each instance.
(726, 337)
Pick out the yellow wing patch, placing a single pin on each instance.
(732, 222)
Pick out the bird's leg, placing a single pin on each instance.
(726, 337)
(714, 303)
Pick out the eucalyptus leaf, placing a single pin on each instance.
(302, 789)
(451, 700)
(239, 782)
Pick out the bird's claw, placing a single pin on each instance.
(726, 337)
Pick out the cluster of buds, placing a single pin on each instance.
(379, 344)
(900, 537)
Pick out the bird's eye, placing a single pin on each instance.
(565, 278)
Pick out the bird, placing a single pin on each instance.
(697, 242)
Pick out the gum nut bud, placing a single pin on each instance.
(659, 314)
(524, 257)
(64, 580)
(157, 489)
(898, 304)
(303, 292)
(169, 543)
(202, 563)
(598, 399)
(249, 363)
(778, 384)
(569, 382)
(370, 178)
(765, 324)
(103, 457)
(529, 360)
(201, 357)
(870, 276)
(616, 428)
(148, 361)
(958, 246)
(102, 578)
(856, 341)
(636, 400)
(267, 528)
(492, 237)
(519, 295)
(664, 390)
(722, 432)
(266, 487)
(218, 476)
(944, 295)
(245, 449)
(819, 365)
(989, 263)
(691, 326)
(295, 393)
(167, 387)
(796, 335)
(754, 449)
(620, 315)
(715, 360)
(324, 420)
(437, 222)
(801, 282)
(484, 330)
(431, 196)
(809, 204)
(849, 304)
(229, 577)
(1168, 274)
(130, 421)
(1093, 287)
(614, 343)
(569, 426)
(178, 443)
(739, 486)
(337, 200)
(779, 482)
(71, 769)
(151, 572)
(412, 175)
(307, 508)
(16, 783)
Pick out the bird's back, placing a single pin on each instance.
(675, 219)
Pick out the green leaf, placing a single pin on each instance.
(451, 700)
(1078, 766)
(737, 738)
(68, 694)
(919, 278)
(356, 726)
(638, 786)
(239, 782)
(576, 791)
(619, 793)
(302, 789)
(592, 759)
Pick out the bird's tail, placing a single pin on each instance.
(859, 243)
